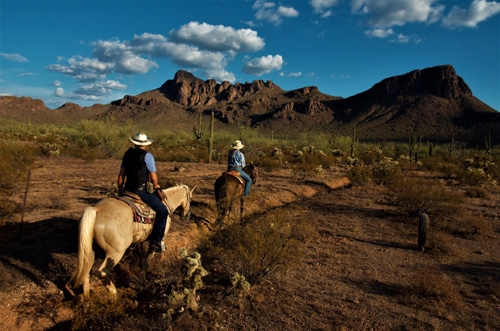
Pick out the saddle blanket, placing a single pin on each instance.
(234, 173)
(142, 212)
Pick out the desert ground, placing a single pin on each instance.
(360, 268)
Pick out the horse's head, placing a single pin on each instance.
(253, 172)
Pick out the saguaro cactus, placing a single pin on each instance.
(423, 227)
(487, 142)
(211, 139)
(353, 142)
(199, 133)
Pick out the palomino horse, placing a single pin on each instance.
(110, 223)
(228, 189)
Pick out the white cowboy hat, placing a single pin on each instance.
(237, 145)
(141, 139)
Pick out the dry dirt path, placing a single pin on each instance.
(358, 271)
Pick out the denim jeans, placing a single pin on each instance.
(247, 179)
(161, 214)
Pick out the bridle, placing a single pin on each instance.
(188, 199)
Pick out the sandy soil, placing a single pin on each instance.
(359, 269)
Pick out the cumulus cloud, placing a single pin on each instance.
(14, 57)
(322, 7)
(217, 37)
(263, 65)
(479, 11)
(383, 14)
(194, 46)
(267, 11)
(379, 33)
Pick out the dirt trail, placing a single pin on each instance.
(357, 272)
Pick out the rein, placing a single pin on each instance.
(167, 204)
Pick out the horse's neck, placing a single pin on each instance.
(175, 196)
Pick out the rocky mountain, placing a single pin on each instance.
(433, 103)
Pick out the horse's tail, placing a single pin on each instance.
(85, 252)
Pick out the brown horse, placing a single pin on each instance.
(229, 189)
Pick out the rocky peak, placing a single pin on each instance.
(190, 91)
(441, 81)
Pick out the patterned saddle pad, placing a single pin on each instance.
(142, 212)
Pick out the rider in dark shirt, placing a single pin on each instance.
(137, 168)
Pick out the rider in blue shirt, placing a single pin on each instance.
(236, 161)
(138, 167)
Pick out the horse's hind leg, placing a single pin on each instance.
(86, 280)
(104, 272)
(242, 207)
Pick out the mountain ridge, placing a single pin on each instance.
(433, 103)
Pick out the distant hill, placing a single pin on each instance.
(432, 103)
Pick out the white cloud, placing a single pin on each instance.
(217, 37)
(56, 83)
(295, 74)
(24, 74)
(220, 75)
(83, 69)
(266, 11)
(387, 13)
(14, 57)
(121, 57)
(322, 7)
(263, 65)
(479, 10)
(379, 33)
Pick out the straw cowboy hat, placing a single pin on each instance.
(141, 139)
(237, 145)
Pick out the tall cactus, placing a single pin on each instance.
(353, 142)
(211, 139)
(423, 227)
(199, 133)
(451, 148)
(487, 141)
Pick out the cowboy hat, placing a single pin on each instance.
(141, 139)
(237, 145)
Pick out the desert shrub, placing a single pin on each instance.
(360, 175)
(385, 171)
(19, 155)
(412, 195)
(432, 163)
(102, 312)
(310, 160)
(256, 250)
(436, 288)
(477, 192)
(472, 176)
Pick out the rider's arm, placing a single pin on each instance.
(121, 179)
(154, 179)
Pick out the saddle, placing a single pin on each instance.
(142, 212)
(234, 173)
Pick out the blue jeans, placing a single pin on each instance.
(161, 214)
(247, 179)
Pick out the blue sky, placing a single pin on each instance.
(89, 52)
